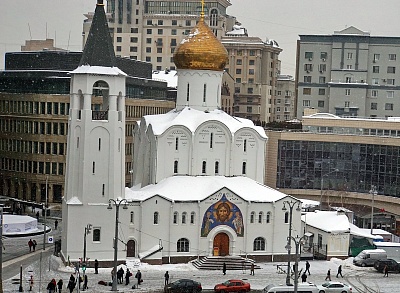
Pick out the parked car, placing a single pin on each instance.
(302, 288)
(232, 286)
(183, 286)
(393, 265)
(368, 257)
(334, 287)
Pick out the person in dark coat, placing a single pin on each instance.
(386, 271)
(127, 275)
(304, 277)
(307, 268)
(34, 244)
(85, 282)
(96, 266)
(224, 268)
(138, 276)
(71, 285)
(30, 244)
(51, 287)
(120, 275)
(339, 272)
(252, 269)
(60, 284)
(166, 278)
(328, 275)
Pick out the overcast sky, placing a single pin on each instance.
(282, 20)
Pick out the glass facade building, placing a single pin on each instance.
(302, 165)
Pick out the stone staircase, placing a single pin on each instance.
(216, 262)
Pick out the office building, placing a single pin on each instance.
(285, 99)
(349, 73)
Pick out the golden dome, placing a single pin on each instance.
(201, 50)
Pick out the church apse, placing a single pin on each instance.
(225, 213)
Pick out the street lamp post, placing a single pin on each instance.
(88, 228)
(322, 186)
(297, 241)
(373, 192)
(290, 204)
(117, 205)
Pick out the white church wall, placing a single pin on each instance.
(171, 150)
(211, 144)
(196, 80)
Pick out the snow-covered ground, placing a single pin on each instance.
(153, 276)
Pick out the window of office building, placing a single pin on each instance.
(375, 69)
(308, 55)
(392, 57)
(307, 91)
(391, 69)
(389, 106)
(306, 103)
(321, 104)
(321, 92)
(307, 78)
(374, 106)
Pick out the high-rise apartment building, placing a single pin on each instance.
(255, 66)
(349, 73)
(285, 99)
(151, 30)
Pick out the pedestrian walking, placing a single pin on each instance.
(304, 277)
(386, 271)
(224, 268)
(138, 276)
(34, 244)
(56, 224)
(252, 269)
(30, 244)
(37, 216)
(307, 268)
(120, 275)
(328, 275)
(60, 284)
(71, 284)
(30, 283)
(127, 276)
(96, 266)
(51, 287)
(166, 278)
(339, 272)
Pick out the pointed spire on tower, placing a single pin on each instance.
(202, 11)
(99, 50)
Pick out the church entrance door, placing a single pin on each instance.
(130, 248)
(221, 244)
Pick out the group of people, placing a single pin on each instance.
(252, 267)
(120, 275)
(52, 286)
(32, 245)
(328, 274)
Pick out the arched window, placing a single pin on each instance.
(286, 217)
(259, 244)
(155, 218)
(244, 168)
(132, 218)
(182, 245)
(204, 167)
(260, 217)
(216, 168)
(268, 217)
(175, 167)
(252, 215)
(192, 217)
(214, 17)
(184, 214)
(96, 234)
(175, 218)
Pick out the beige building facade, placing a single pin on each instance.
(348, 73)
(285, 99)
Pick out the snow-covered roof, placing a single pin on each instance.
(169, 76)
(328, 221)
(363, 233)
(176, 189)
(308, 203)
(87, 69)
(387, 244)
(192, 118)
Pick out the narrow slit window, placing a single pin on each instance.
(77, 142)
(216, 168)
(99, 144)
(119, 144)
(175, 167)
(245, 145)
(244, 168)
(94, 167)
(176, 143)
(132, 218)
(103, 189)
(211, 140)
(204, 93)
(204, 167)
(187, 92)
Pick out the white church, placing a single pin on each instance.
(198, 172)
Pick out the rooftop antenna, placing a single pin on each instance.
(30, 33)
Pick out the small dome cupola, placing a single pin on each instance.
(201, 50)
